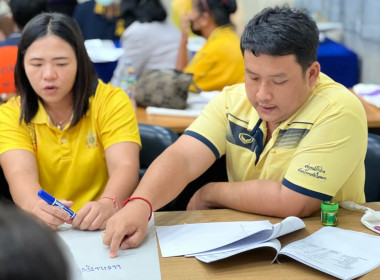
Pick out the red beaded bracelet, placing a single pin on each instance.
(147, 201)
(113, 200)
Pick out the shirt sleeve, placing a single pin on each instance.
(211, 125)
(329, 154)
(116, 118)
(14, 135)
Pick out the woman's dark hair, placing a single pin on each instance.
(282, 31)
(142, 11)
(29, 249)
(85, 83)
(220, 10)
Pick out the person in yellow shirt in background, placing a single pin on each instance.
(219, 62)
(67, 133)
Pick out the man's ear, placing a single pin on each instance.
(312, 73)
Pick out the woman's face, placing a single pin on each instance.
(51, 67)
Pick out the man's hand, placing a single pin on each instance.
(200, 200)
(127, 228)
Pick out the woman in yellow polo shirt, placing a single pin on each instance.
(67, 133)
(219, 62)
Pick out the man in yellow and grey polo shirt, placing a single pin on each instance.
(292, 136)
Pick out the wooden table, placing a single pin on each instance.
(254, 264)
(177, 124)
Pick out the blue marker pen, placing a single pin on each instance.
(52, 201)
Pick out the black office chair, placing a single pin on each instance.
(372, 168)
(154, 140)
(5, 195)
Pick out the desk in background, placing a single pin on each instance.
(177, 124)
(253, 264)
(338, 62)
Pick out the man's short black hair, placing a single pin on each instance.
(282, 31)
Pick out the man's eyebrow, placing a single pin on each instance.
(278, 75)
(250, 71)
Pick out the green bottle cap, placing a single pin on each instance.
(330, 206)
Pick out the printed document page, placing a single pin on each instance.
(286, 226)
(92, 256)
(342, 253)
(194, 238)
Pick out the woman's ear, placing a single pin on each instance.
(312, 73)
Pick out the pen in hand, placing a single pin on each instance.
(53, 201)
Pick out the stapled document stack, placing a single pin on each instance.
(344, 254)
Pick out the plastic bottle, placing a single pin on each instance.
(128, 82)
(329, 213)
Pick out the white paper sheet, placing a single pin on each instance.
(342, 253)
(194, 238)
(195, 104)
(102, 50)
(92, 256)
(369, 92)
(286, 226)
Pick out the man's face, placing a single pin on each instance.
(276, 85)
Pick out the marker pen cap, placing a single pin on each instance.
(47, 197)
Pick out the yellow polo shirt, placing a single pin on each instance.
(319, 151)
(219, 62)
(71, 163)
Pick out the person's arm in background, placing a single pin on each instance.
(20, 170)
(123, 168)
(182, 58)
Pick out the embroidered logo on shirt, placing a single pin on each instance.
(245, 138)
(91, 140)
(252, 140)
(313, 171)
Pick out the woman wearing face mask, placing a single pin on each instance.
(219, 62)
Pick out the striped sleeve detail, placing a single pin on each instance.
(306, 192)
(204, 141)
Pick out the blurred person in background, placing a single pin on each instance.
(99, 19)
(150, 41)
(21, 12)
(62, 6)
(219, 62)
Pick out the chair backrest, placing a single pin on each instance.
(372, 168)
(154, 140)
(4, 189)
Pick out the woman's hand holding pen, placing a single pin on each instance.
(94, 215)
(51, 215)
(127, 228)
